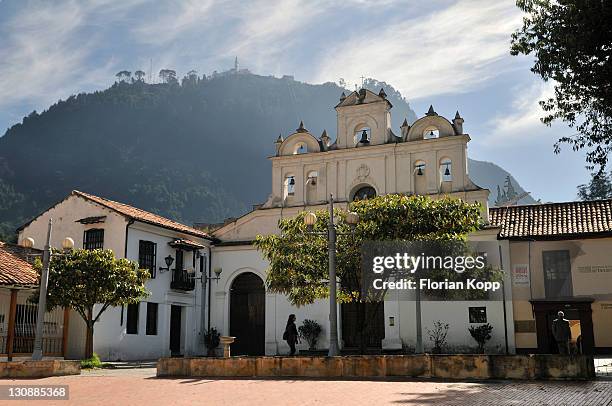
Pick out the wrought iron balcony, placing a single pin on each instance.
(182, 280)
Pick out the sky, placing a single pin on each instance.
(451, 54)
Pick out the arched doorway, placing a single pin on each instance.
(364, 192)
(248, 314)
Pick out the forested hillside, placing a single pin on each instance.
(191, 151)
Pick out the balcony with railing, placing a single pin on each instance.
(182, 280)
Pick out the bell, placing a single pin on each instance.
(431, 134)
(364, 137)
(291, 181)
(446, 171)
(419, 170)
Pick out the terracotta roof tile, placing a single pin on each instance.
(15, 267)
(554, 220)
(142, 215)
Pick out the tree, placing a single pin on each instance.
(599, 188)
(81, 279)
(572, 45)
(299, 261)
(190, 79)
(124, 75)
(168, 76)
(481, 334)
(140, 75)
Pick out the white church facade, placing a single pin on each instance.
(367, 159)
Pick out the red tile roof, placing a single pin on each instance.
(15, 266)
(142, 215)
(554, 220)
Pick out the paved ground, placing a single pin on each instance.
(139, 386)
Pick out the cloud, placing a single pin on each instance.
(46, 49)
(449, 50)
(523, 119)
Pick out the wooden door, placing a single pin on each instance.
(374, 314)
(247, 315)
(175, 330)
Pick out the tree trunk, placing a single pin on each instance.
(89, 335)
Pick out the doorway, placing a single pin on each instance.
(581, 325)
(247, 314)
(175, 330)
(373, 316)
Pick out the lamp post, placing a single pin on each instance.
(67, 244)
(310, 220)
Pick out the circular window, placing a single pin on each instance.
(366, 192)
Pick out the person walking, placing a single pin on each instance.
(291, 334)
(562, 333)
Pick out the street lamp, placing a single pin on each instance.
(67, 244)
(310, 219)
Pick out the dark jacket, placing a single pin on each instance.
(561, 330)
(291, 333)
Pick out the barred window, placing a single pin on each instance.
(478, 314)
(93, 239)
(151, 319)
(132, 318)
(147, 256)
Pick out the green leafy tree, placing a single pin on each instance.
(80, 279)
(140, 75)
(572, 45)
(598, 188)
(168, 76)
(299, 261)
(124, 75)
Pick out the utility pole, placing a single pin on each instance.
(37, 354)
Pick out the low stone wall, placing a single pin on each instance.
(479, 367)
(38, 369)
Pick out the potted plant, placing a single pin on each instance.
(212, 339)
(481, 334)
(310, 331)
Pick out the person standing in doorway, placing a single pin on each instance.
(291, 334)
(562, 333)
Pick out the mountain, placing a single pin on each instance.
(192, 152)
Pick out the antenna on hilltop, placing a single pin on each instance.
(150, 69)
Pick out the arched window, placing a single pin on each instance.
(431, 132)
(361, 135)
(300, 148)
(312, 178)
(446, 170)
(365, 192)
(419, 168)
(290, 185)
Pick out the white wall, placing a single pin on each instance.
(112, 342)
(239, 259)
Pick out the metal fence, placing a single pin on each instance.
(24, 329)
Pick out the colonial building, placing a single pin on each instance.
(560, 259)
(367, 158)
(171, 320)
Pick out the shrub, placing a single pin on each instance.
(481, 334)
(310, 331)
(438, 336)
(212, 338)
(93, 362)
